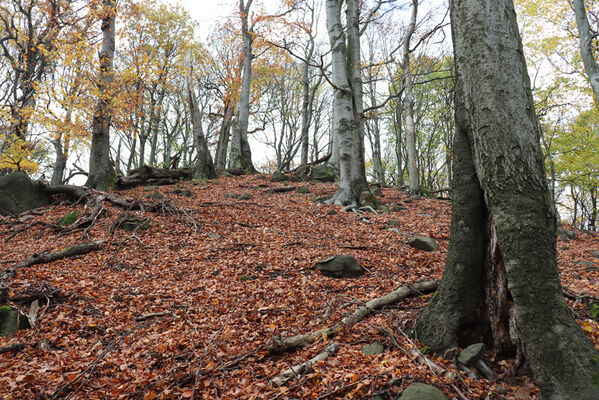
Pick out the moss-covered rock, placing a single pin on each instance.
(321, 173)
(18, 193)
(420, 391)
(303, 190)
(343, 266)
(133, 223)
(423, 243)
(278, 176)
(11, 321)
(69, 219)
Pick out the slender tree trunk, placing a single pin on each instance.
(101, 171)
(501, 279)
(410, 124)
(586, 46)
(60, 164)
(223, 138)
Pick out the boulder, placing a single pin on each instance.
(278, 176)
(421, 391)
(321, 173)
(423, 243)
(11, 321)
(565, 234)
(18, 193)
(344, 266)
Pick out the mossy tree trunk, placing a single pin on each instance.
(501, 282)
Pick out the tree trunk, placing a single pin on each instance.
(348, 111)
(101, 172)
(333, 138)
(498, 158)
(305, 107)
(204, 167)
(586, 46)
(223, 138)
(414, 184)
(241, 155)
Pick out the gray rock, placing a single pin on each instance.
(393, 222)
(420, 391)
(384, 209)
(11, 321)
(596, 253)
(565, 234)
(423, 243)
(321, 173)
(471, 353)
(18, 193)
(278, 176)
(373, 349)
(344, 266)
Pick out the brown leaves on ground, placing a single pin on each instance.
(224, 276)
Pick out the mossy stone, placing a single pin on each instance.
(421, 391)
(11, 321)
(18, 193)
(69, 219)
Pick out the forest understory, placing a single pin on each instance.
(188, 308)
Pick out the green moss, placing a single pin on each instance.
(594, 310)
(69, 219)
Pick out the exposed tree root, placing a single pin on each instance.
(49, 257)
(300, 369)
(280, 345)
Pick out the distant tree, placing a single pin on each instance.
(501, 280)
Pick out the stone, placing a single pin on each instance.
(157, 196)
(11, 321)
(343, 266)
(69, 219)
(132, 224)
(596, 253)
(19, 193)
(421, 391)
(321, 173)
(397, 208)
(471, 353)
(278, 176)
(393, 222)
(244, 196)
(565, 234)
(423, 243)
(373, 349)
(384, 209)
(303, 190)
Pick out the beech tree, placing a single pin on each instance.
(586, 37)
(501, 281)
(101, 171)
(348, 123)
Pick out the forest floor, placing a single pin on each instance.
(225, 276)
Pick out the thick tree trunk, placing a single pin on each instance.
(101, 172)
(241, 154)
(586, 46)
(204, 167)
(348, 102)
(498, 158)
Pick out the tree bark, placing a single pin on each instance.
(414, 184)
(586, 46)
(101, 172)
(348, 112)
(498, 158)
(204, 167)
(241, 155)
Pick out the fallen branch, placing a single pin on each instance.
(280, 345)
(304, 367)
(41, 258)
(153, 315)
(283, 189)
(13, 348)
